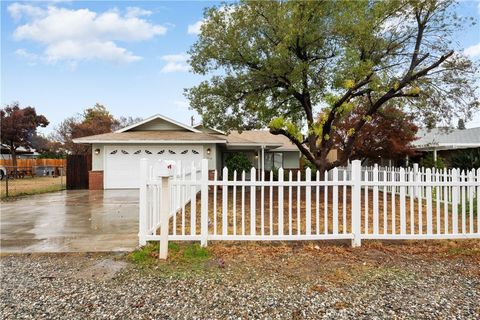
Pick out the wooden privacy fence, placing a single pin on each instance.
(33, 163)
(345, 203)
(78, 166)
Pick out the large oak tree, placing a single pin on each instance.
(284, 64)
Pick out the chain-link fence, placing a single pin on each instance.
(16, 181)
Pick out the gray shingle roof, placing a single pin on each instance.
(151, 137)
(440, 138)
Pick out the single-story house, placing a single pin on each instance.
(445, 142)
(22, 153)
(116, 156)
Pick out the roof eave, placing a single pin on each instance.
(79, 141)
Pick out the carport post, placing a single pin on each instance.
(142, 213)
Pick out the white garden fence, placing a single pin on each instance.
(344, 203)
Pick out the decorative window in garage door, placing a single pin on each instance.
(114, 152)
(161, 152)
(171, 152)
(184, 151)
(124, 152)
(137, 152)
(148, 152)
(195, 152)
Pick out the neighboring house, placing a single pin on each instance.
(116, 156)
(22, 153)
(446, 142)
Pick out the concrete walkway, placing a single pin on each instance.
(70, 221)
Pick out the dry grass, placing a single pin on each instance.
(388, 215)
(29, 185)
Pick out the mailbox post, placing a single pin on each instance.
(164, 172)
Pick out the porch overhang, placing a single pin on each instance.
(251, 146)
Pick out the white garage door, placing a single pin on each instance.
(122, 163)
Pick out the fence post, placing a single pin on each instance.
(308, 204)
(253, 192)
(204, 204)
(455, 189)
(142, 218)
(415, 178)
(428, 195)
(6, 184)
(164, 217)
(356, 209)
(280, 202)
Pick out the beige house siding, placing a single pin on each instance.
(213, 157)
(97, 159)
(157, 125)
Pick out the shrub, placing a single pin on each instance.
(237, 161)
(466, 159)
(467, 207)
(428, 162)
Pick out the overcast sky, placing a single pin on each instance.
(64, 56)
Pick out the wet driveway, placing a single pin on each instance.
(71, 221)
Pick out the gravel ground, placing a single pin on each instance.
(251, 282)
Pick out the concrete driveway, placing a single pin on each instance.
(70, 221)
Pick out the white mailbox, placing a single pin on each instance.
(164, 168)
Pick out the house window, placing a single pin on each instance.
(273, 160)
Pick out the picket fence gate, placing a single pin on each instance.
(352, 203)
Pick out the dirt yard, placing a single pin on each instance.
(29, 185)
(388, 213)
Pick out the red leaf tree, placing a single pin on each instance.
(387, 134)
(19, 125)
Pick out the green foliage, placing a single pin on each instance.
(466, 159)
(271, 63)
(467, 207)
(51, 155)
(289, 127)
(237, 161)
(185, 254)
(275, 173)
(196, 252)
(428, 162)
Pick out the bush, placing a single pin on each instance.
(466, 159)
(51, 155)
(428, 162)
(239, 162)
(467, 207)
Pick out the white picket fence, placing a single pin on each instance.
(352, 203)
